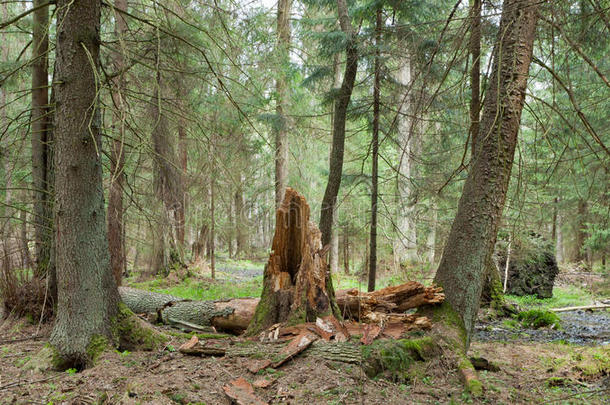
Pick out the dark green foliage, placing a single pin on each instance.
(538, 318)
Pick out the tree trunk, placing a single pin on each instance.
(558, 233)
(375, 156)
(42, 219)
(26, 258)
(475, 75)
(87, 292)
(296, 284)
(405, 244)
(334, 241)
(581, 234)
(167, 181)
(346, 249)
(240, 221)
(212, 240)
(432, 234)
(116, 240)
(338, 144)
(281, 130)
(474, 230)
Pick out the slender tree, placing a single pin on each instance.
(41, 155)
(281, 131)
(473, 232)
(116, 231)
(375, 156)
(340, 116)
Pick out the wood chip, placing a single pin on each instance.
(254, 366)
(262, 383)
(242, 392)
(371, 331)
(296, 346)
(193, 341)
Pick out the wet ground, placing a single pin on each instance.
(577, 327)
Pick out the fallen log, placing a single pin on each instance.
(585, 307)
(229, 315)
(234, 315)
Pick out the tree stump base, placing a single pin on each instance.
(296, 284)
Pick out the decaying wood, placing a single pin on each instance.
(196, 348)
(228, 315)
(242, 393)
(296, 282)
(585, 307)
(358, 305)
(296, 346)
(235, 315)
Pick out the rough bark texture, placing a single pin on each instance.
(281, 132)
(168, 186)
(375, 156)
(473, 232)
(338, 144)
(116, 232)
(42, 218)
(229, 315)
(235, 315)
(475, 75)
(297, 286)
(87, 292)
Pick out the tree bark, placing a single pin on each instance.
(234, 315)
(346, 249)
(42, 218)
(334, 241)
(474, 230)
(168, 182)
(297, 286)
(116, 240)
(581, 234)
(375, 156)
(281, 130)
(475, 75)
(338, 144)
(240, 221)
(405, 244)
(87, 292)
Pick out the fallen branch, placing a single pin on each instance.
(589, 307)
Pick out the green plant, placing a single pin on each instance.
(71, 371)
(537, 318)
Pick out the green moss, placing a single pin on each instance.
(474, 386)
(395, 358)
(97, 345)
(445, 313)
(132, 334)
(537, 318)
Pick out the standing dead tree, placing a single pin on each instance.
(296, 287)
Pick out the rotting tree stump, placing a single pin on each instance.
(296, 283)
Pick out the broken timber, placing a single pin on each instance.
(234, 315)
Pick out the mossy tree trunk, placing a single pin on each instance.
(296, 285)
(87, 291)
(473, 233)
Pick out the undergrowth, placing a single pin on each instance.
(562, 297)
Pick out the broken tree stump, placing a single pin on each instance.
(296, 283)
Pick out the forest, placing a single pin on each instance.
(318, 201)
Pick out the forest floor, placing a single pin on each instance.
(533, 370)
